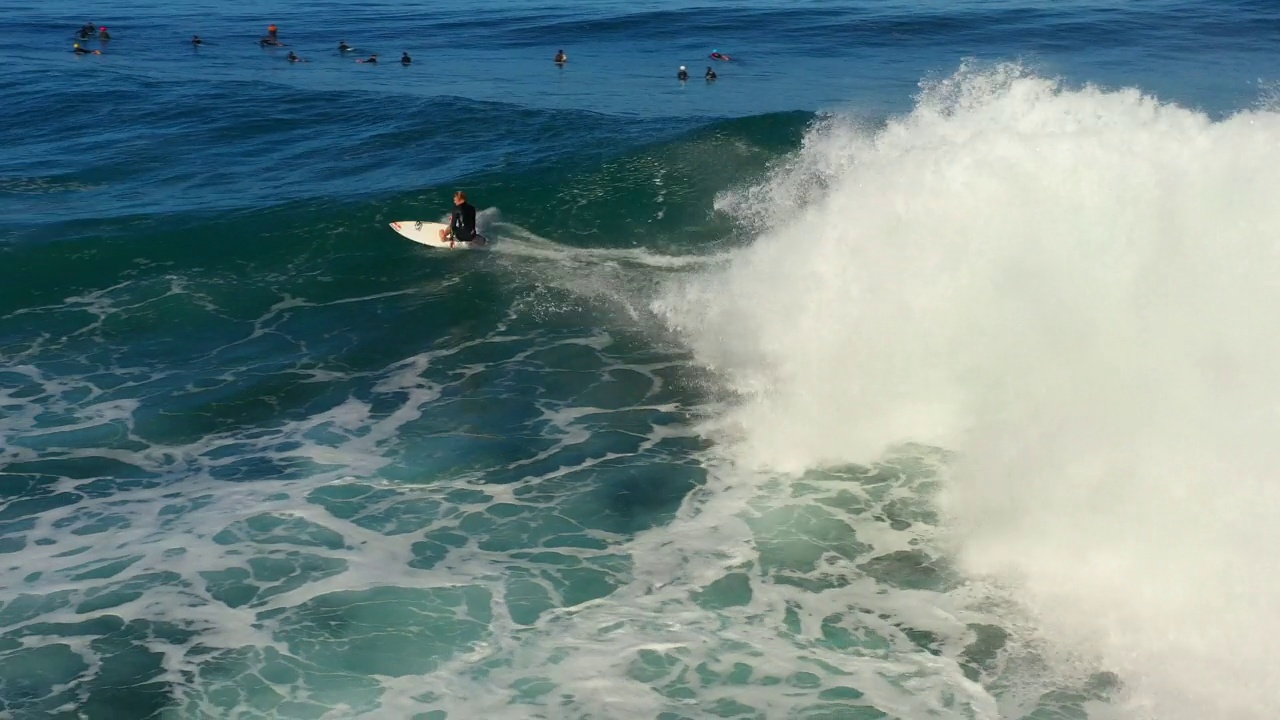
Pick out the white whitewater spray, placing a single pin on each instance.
(1078, 292)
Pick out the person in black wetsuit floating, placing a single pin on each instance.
(462, 226)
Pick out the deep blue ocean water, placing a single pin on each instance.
(920, 366)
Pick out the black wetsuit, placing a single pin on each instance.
(682, 75)
(82, 51)
(405, 59)
(463, 222)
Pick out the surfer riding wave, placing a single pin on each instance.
(462, 225)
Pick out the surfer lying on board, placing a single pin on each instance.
(462, 226)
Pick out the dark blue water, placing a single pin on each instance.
(731, 421)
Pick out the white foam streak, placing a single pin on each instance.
(1074, 290)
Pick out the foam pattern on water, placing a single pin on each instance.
(521, 523)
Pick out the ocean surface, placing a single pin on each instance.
(924, 365)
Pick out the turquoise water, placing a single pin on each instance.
(920, 366)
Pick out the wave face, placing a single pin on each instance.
(1069, 289)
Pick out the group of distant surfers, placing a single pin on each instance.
(272, 39)
(87, 32)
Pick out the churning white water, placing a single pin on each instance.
(1077, 291)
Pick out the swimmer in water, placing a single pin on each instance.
(561, 58)
(81, 51)
(196, 41)
(293, 58)
(372, 59)
(273, 32)
(717, 55)
(711, 74)
(683, 74)
(103, 34)
(405, 59)
(344, 47)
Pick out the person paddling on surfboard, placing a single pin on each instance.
(462, 226)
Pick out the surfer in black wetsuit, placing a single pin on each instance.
(196, 41)
(372, 60)
(81, 51)
(462, 226)
(87, 31)
(344, 47)
(711, 74)
(561, 58)
(405, 59)
(683, 74)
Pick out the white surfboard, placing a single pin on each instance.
(428, 233)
